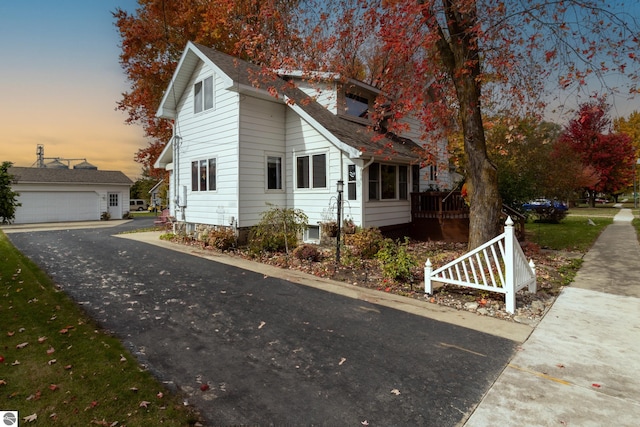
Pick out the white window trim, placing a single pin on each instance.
(310, 154)
(213, 93)
(282, 172)
(397, 184)
(198, 160)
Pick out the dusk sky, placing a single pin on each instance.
(60, 79)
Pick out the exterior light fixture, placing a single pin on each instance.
(340, 188)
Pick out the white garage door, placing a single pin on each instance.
(40, 206)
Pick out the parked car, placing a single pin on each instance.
(546, 209)
(137, 205)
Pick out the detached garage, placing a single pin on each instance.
(60, 195)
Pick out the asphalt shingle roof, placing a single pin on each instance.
(353, 134)
(23, 175)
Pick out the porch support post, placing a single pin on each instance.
(509, 265)
(427, 277)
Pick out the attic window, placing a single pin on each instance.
(203, 95)
(357, 106)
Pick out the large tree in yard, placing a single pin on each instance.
(448, 63)
(154, 37)
(610, 155)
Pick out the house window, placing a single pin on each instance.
(113, 199)
(203, 175)
(415, 178)
(357, 106)
(351, 182)
(387, 182)
(311, 171)
(274, 173)
(374, 181)
(312, 234)
(403, 185)
(433, 172)
(203, 95)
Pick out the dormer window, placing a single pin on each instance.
(203, 95)
(357, 106)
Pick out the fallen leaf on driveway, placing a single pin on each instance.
(395, 391)
(342, 360)
(261, 325)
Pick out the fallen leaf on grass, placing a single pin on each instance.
(51, 362)
(30, 418)
(3, 382)
(10, 333)
(51, 350)
(160, 395)
(42, 339)
(144, 404)
(22, 345)
(15, 363)
(67, 367)
(123, 359)
(53, 387)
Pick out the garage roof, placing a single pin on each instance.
(22, 175)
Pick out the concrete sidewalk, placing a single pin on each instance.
(581, 365)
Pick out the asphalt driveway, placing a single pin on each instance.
(272, 352)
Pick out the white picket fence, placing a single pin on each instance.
(497, 266)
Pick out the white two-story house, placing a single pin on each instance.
(245, 138)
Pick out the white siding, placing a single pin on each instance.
(380, 213)
(435, 145)
(302, 139)
(325, 93)
(262, 133)
(210, 134)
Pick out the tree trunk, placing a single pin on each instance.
(459, 50)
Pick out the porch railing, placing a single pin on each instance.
(497, 266)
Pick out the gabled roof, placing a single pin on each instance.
(355, 139)
(22, 175)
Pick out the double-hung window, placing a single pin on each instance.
(388, 182)
(311, 171)
(203, 175)
(203, 95)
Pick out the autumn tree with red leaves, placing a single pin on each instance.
(446, 62)
(610, 155)
(154, 37)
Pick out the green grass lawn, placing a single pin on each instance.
(57, 366)
(574, 233)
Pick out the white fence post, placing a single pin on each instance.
(509, 265)
(533, 286)
(427, 277)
